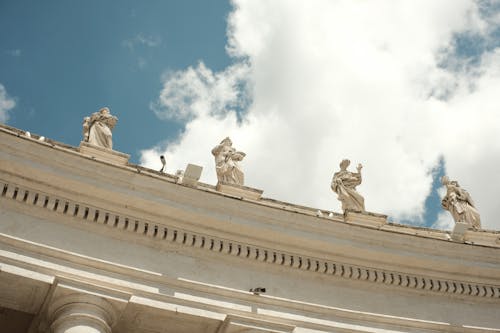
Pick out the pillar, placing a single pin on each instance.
(81, 313)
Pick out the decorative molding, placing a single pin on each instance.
(104, 154)
(206, 242)
(81, 309)
(239, 190)
(365, 219)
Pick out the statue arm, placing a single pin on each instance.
(336, 182)
(333, 185)
(358, 174)
(238, 156)
(94, 117)
(357, 178)
(445, 203)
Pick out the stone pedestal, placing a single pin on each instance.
(190, 176)
(103, 154)
(81, 313)
(365, 218)
(239, 190)
(459, 230)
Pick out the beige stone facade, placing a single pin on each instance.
(90, 243)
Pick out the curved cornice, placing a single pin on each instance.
(204, 241)
(144, 204)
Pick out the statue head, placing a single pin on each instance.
(226, 142)
(344, 164)
(107, 118)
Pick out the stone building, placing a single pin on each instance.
(90, 243)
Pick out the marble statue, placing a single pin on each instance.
(226, 158)
(97, 128)
(459, 203)
(344, 184)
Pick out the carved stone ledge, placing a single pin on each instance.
(365, 219)
(103, 154)
(239, 190)
(246, 251)
(235, 323)
(480, 237)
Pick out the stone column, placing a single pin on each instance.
(81, 313)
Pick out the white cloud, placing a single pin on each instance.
(198, 91)
(6, 104)
(142, 40)
(444, 221)
(332, 80)
(138, 44)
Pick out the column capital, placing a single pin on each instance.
(68, 312)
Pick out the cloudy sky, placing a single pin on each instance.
(407, 88)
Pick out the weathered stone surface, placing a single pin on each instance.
(191, 175)
(103, 154)
(365, 219)
(172, 258)
(226, 162)
(459, 203)
(239, 190)
(344, 184)
(97, 129)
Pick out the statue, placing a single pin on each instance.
(97, 128)
(344, 184)
(226, 158)
(459, 203)
(86, 129)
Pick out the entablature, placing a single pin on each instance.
(63, 185)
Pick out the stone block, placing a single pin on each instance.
(239, 190)
(459, 230)
(191, 175)
(365, 219)
(103, 154)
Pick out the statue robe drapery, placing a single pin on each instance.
(344, 183)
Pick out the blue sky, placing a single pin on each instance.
(409, 89)
(62, 60)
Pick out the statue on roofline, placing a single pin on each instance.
(344, 184)
(97, 128)
(226, 162)
(459, 203)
